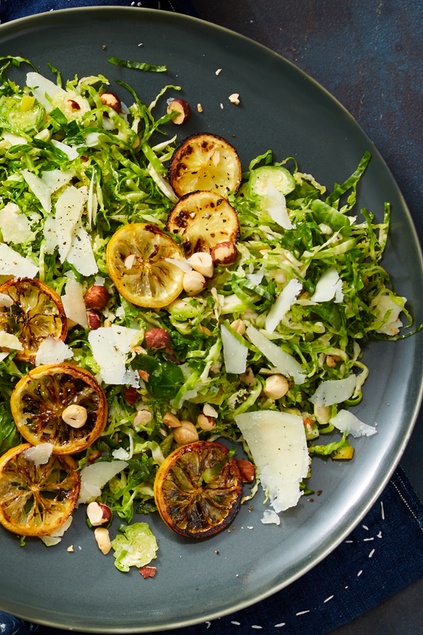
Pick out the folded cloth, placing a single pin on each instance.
(381, 556)
(13, 9)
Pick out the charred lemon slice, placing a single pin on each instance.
(205, 162)
(35, 312)
(59, 404)
(138, 262)
(36, 500)
(203, 220)
(198, 489)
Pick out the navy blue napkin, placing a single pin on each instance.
(381, 556)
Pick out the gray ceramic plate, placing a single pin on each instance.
(283, 109)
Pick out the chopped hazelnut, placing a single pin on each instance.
(131, 395)
(205, 422)
(143, 417)
(148, 572)
(72, 104)
(247, 470)
(98, 514)
(234, 98)
(110, 100)
(182, 107)
(239, 326)
(102, 538)
(94, 320)
(171, 421)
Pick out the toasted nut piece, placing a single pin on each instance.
(147, 572)
(96, 297)
(187, 433)
(182, 107)
(171, 421)
(107, 324)
(276, 386)
(248, 378)
(234, 98)
(94, 455)
(144, 375)
(74, 415)
(224, 253)
(129, 261)
(109, 99)
(131, 395)
(194, 283)
(209, 411)
(330, 361)
(142, 417)
(139, 350)
(72, 104)
(247, 470)
(239, 326)
(199, 108)
(322, 414)
(206, 423)
(98, 514)
(157, 338)
(102, 537)
(94, 320)
(204, 330)
(202, 262)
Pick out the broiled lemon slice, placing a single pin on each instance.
(137, 259)
(203, 220)
(198, 489)
(36, 500)
(36, 313)
(48, 393)
(205, 162)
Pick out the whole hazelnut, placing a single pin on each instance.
(157, 338)
(224, 253)
(96, 297)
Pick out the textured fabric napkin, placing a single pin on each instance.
(380, 557)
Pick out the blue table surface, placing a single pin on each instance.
(369, 55)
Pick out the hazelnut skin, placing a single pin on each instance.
(224, 253)
(96, 297)
(109, 99)
(157, 338)
(182, 107)
(94, 321)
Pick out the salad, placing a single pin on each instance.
(155, 298)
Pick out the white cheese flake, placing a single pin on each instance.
(52, 350)
(55, 179)
(39, 189)
(7, 340)
(334, 391)
(81, 253)
(41, 86)
(282, 305)
(110, 347)
(276, 207)
(284, 362)
(234, 353)
(13, 264)
(347, 421)
(39, 454)
(69, 208)
(278, 445)
(15, 227)
(328, 287)
(73, 303)
(95, 476)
